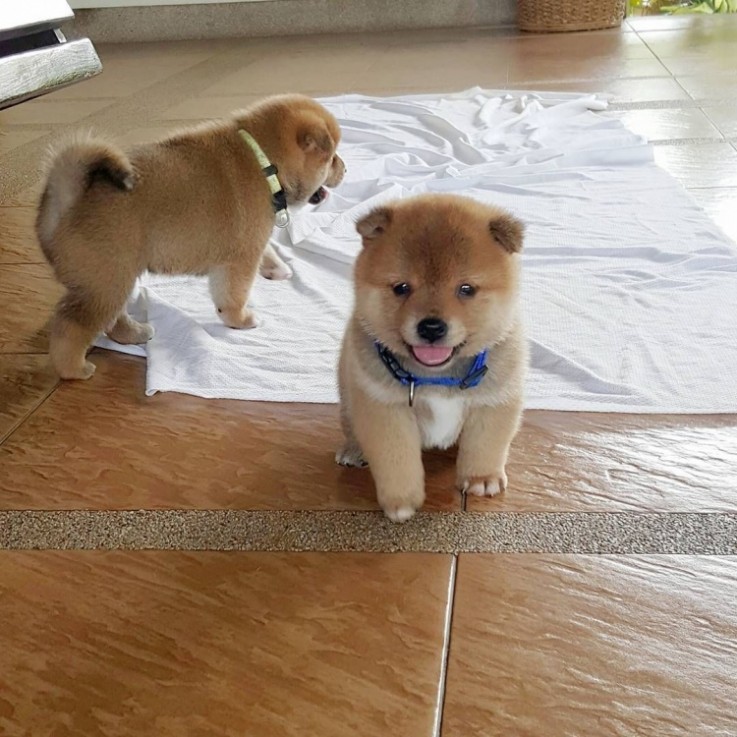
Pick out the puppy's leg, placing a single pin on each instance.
(350, 454)
(80, 316)
(272, 267)
(229, 286)
(127, 331)
(482, 452)
(390, 440)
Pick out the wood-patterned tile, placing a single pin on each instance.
(205, 644)
(279, 70)
(427, 68)
(710, 86)
(148, 134)
(18, 242)
(669, 124)
(700, 164)
(578, 462)
(687, 25)
(25, 380)
(14, 138)
(177, 451)
(129, 68)
(47, 111)
(27, 197)
(724, 117)
(721, 206)
(595, 45)
(29, 294)
(596, 646)
(646, 89)
(206, 108)
(563, 68)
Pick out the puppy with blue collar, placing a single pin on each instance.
(434, 353)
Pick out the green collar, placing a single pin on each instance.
(278, 196)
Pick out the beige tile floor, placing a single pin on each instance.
(277, 642)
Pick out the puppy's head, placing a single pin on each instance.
(437, 278)
(318, 135)
(301, 137)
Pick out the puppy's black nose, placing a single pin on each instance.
(319, 196)
(431, 329)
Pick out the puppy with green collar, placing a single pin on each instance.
(434, 353)
(202, 201)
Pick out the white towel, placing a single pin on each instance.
(630, 291)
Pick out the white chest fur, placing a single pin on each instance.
(440, 420)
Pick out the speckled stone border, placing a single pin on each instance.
(454, 532)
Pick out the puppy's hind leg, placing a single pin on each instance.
(127, 331)
(80, 316)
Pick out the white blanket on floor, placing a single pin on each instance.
(630, 291)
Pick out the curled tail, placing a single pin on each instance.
(76, 167)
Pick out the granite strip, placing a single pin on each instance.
(296, 531)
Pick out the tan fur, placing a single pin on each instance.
(434, 243)
(194, 203)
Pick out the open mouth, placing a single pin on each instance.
(319, 196)
(432, 355)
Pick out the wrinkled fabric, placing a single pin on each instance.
(629, 290)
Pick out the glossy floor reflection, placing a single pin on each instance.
(167, 643)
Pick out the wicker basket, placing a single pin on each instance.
(555, 16)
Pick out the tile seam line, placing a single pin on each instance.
(445, 653)
(35, 408)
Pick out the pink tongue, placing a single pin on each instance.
(431, 355)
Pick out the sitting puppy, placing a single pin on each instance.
(434, 352)
(203, 201)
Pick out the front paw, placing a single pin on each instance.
(244, 320)
(399, 507)
(490, 485)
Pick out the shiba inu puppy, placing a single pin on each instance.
(200, 202)
(434, 352)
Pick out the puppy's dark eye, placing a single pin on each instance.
(466, 290)
(402, 289)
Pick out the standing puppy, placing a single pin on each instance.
(200, 202)
(434, 352)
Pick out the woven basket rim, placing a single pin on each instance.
(569, 15)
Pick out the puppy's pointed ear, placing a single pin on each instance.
(508, 232)
(315, 138)
(374, 224)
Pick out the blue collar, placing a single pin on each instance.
(473, 377)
